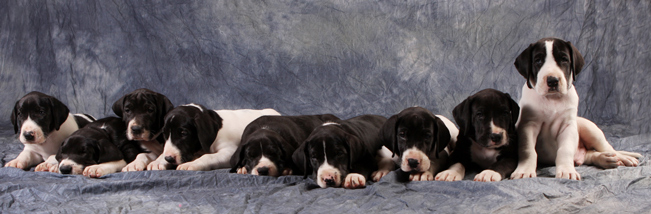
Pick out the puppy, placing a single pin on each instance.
(197, 138)
(342, 153)
(421, 140)
(143, 111)
(488, 140)
(549, 130)
(269, 142)
(98, 149)
(42, 122)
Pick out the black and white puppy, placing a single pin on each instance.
(488, 140)
(197, 138)
(421, 140)
(549, 130)
(269, 142)
(343, 153)
(143, 111)
(42, 122)
(98, 149)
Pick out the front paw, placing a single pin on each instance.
(421, 176)
(449, 175)
(377, 175)
(134, 166)
(354, 180)
(157, 165)
(627, 158)
(190, 166)
(567, 173)
(287, 171)
(524, 172)
(96, 171)
(488, 176)
(241, 170)
(16, 164)
(47, 167)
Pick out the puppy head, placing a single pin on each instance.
(329, 152)
(143, 111)
(189, 131)
(550, 66)
(263, 152)
(78, 151)
(36, 115)
(487, 117)
(416, 135)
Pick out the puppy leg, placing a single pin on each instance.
(25, 159)
(354, 180)
(568, 142)
(221, 159)
(385, 164)
(159, 164)
(456, 172)
(488, 175)
(140, 163)
(241, 170)
(99, 170)
(527, 134)
(287, 171)
(594, 139)
(49, 165)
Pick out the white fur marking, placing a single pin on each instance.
(330, 123)
(194, 105)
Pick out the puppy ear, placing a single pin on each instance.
(576, 60)
(355, 150)
(164, 105)
(523, 63)
(107, 151)
(238, 156)
(208, 124)
(442, 137)
(302, 157)
(118, 105)
(463, 116)
(59, 112)
(284, 145)
(515, 111)
(14, 118)
(388, 134)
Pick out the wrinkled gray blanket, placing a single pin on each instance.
(309, 57)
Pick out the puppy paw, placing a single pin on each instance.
(377, 175)
(627, 158)
(449, 175)
(524, 173)
(47, 166)
(606, 160)
(488, 176)
(134, 166)
(16, 164)
(190, 166)
(567, 173)
(157, 165)
(96, 171)
(287, 171)
(354, 180)
(241, 170)
(422, 176)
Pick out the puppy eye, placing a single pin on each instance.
(184, 133)
(151, 110)
(401, 134)
(565, 59)
(538, 62)
(127, 110)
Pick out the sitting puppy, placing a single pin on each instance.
(269, 142)
(421, 140)
(549, 130)
(98, 149)
(343, 153)
(488, 140)
(42, 122)
(143, 111)
(197, 138)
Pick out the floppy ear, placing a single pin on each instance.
(576, 60)
(285, 147)
(237, 158)
(355, 149)
(388, 134)
(302, 157)
(515, 111)
(442, 137)
(524, 65)
(59, 113)
(107, 151)
(14, 118)
(208, 124)
(164, 105)
(463, 116)
(118, 105)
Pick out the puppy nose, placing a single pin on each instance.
(329, 182)
(65, 169)
(552, 82)
(136, 129)
(170, 159)
(29, 135)
(263, 171)
(496, 137)
(413, 163)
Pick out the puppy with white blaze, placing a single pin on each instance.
(344, 153)
(42, 122)
(421, 140)
(197, 138)
(549, 130)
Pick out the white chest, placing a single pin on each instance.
(483, 156)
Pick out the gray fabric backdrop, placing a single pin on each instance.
(306, 57)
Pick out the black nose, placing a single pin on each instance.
(413, 163)
(329, 181)
(29, 135)
(136, 129)
(65, 169)
(263, 171)
(552, 82)
(170, 159)
(496, 137)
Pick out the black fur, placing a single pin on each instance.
(568, 58)
(147, 107)
(192, 130)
